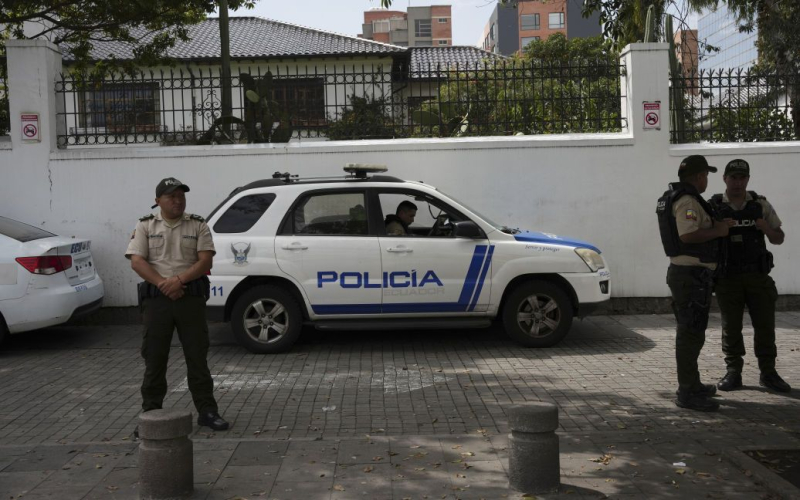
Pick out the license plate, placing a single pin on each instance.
(80, 247)
(85, 267)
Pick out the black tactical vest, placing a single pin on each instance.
(745, 246)
(673, 246)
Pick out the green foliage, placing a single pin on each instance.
(445, 119)
(364, 118)
(625, 21)
(263, 121)
(152, 26)
(558, 86)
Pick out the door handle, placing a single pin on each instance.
(399, 250)
(295, 246)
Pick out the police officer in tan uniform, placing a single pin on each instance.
(397, 223)
(745, 281)
(172, 251)
(690, 236)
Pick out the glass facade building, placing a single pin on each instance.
(719, 28)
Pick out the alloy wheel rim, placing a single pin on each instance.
(266, 321)
(538, 315)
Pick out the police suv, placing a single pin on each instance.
(316, 251)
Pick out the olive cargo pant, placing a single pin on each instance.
(188, 315)
(756, 291)
(691, 288)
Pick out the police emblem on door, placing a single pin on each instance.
(240, 251)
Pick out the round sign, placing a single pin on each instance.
(651, 118)
(29, 130)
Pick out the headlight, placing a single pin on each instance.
(591, 258)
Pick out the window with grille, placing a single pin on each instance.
(302, 98)
(121, 107)
(529, 21)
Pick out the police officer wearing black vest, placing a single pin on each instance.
(744, 278)
(691, 239)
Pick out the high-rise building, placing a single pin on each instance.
(510, 29)
(419, 27)
(718, 28)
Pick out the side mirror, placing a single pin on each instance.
(467, 229)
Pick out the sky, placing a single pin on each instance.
(346, 16)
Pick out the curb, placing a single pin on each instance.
(771, 481)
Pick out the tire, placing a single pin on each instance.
(3, 331)
(542, 328)
(261, 332)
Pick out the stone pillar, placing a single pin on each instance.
(646, 80)
(533, 460)
(33, 67)
(166, 467)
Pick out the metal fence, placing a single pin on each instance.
(5, 118)
(271, 103)
(742, 105)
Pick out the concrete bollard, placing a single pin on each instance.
(533, 460)
(166, 467)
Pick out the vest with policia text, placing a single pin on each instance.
(745, 246)
(707, 252)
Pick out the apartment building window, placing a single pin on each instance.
(491, 33)
(443, 20)
(530, 21)
(422, 27)
(556, 20)
(380, 26)
(528, 39)
(442, 42)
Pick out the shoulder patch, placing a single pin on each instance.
(197, 217)
(148, 217)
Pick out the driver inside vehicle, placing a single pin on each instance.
(397, 223)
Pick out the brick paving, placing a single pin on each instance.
(327, 409)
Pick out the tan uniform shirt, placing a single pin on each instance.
(769, 212)
(394, 228)
(170, 249)
(689, 217)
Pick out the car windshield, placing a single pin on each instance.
(20, 231)
(487, 220)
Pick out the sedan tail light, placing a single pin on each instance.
(47, 264)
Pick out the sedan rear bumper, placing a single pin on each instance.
(42, 307)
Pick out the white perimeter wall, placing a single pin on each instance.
(598, 187)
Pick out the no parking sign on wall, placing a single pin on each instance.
(30, 127)
(652, 115)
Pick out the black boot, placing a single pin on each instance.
(775, 382)
(696, 401)
(730, 381)
(213, 420)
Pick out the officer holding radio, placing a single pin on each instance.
(690, 236)
(744, 280)
(172, 251)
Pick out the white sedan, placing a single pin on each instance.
(45, 279)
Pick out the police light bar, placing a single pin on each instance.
(360, 170)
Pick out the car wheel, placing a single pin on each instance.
(537, 314)
(266, 320)
(3, 330)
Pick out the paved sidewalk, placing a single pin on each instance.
(389, 415)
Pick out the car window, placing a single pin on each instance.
(331, 214)
(432, 218)
(22, 232)
(244, 213)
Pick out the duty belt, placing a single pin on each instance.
(195, 288)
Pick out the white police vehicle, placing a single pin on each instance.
(292, 251)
